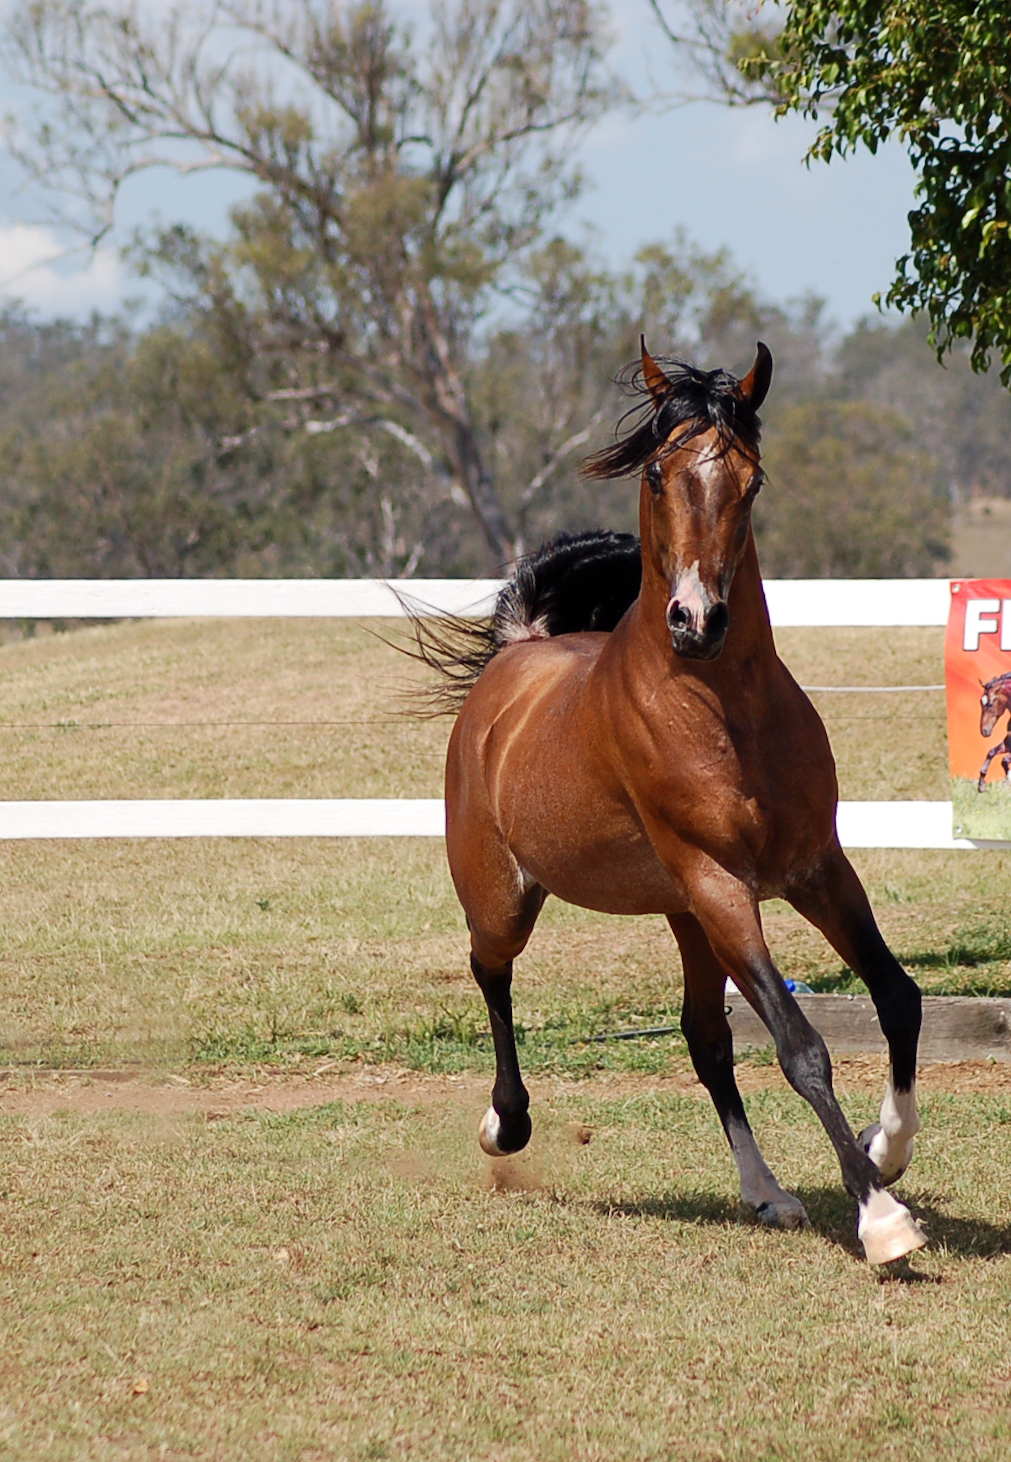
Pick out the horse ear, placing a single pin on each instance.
(657, 384)
(755, 386)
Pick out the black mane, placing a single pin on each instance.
(697, 402)
(999, 681)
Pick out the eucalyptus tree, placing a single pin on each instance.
(401, 177)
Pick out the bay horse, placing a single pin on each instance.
(631, 742)
(994, 703)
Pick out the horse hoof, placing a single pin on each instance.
(498, 1139)
(891, 1165)
(887, 1230)
(786, 1213)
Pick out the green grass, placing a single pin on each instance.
(455, 1038)
(353, 1280)
(244, 952)
(985, 815)
(343, 1282)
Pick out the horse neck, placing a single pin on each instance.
(749, 638)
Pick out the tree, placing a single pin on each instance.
(937, 77)
(849, 496)
(400, 186)
(117, 463)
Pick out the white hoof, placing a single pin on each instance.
(890, 1155)
(787, 1213)
(489, 1132)
(887, 1229)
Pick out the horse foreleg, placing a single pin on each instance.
(728, 912)
(501, 904)
(707, 1031)
(834, 901)
(505, 1126)
(994, 751)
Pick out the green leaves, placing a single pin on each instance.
(938, 78)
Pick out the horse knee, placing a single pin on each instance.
(803, 1056)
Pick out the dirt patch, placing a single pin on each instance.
(41, 1093)
(124, 1091)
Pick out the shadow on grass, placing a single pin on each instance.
(832, 1214)
(968, 1238)
(694, 1207)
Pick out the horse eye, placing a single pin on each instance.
(654, 476)
(755, 486)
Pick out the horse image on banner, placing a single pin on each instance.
(977, 664)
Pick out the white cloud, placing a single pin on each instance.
(38, 270)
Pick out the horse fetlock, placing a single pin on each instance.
(887, 1229)
(503, 1134)
(786, 1212)
(890, 1155)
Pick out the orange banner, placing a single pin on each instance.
(977, 672)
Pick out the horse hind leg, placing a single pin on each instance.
(505, 1126)
(710, 1044)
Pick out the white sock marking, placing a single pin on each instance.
(889, 1145)
(887, 1229)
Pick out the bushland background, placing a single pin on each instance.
(392, 359)
(122, 456)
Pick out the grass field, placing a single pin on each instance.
(280, 1241)
(984, 815)
(346, 1281)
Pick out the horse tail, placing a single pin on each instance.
(572, 583)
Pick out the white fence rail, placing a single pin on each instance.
(861, 824)
(864, 603)
(817, 603)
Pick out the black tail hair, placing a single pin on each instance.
(570, 584)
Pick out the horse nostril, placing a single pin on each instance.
(677, 616)
(717, 620)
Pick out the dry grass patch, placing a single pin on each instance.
(214, 708)
(314, 708)
(347, 1281)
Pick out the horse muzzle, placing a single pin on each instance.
(697, 630)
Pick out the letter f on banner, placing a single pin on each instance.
(977, 622)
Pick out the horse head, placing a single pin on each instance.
(697, 489)
(995, 700)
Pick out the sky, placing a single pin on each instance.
(729, 178)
